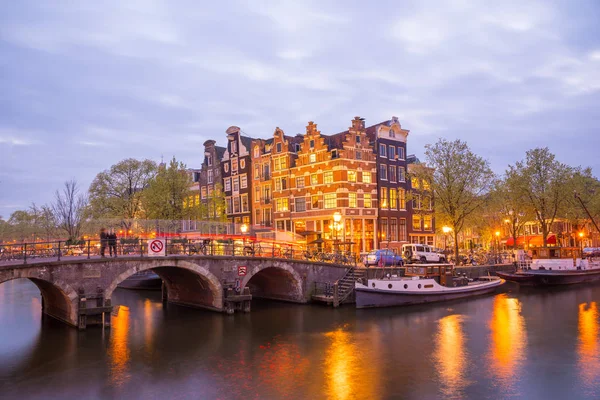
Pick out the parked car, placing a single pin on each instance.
(383, 257)
(422, 253)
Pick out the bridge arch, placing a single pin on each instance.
(59, 299)
(276, 281)
(187, 283)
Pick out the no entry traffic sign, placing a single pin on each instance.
(156, 247)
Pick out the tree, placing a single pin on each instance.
(459, 180)
(167, 191)
(117, 192)
(21, 223)
(545, 184)
(44, 219)
(586, 198)
(508, 200)
(69, 209)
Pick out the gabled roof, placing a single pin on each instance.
(220, 151)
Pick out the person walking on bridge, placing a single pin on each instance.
(103, 241)
(112, 243)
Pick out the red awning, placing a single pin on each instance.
(532, 240)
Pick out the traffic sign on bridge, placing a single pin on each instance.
(156, 248)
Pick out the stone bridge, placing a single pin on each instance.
(78, 291)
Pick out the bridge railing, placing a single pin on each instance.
(17, 253)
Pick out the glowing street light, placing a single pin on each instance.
(446, 230)
(337, 217)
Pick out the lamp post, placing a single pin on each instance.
(581, 240)
(244, 229)
(497, 245)
(446, 230)
(337, 217)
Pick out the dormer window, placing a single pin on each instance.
(392, 133)
(334, 153)
(297, 147)
(312, 144)
(209, 160)
(256, 152)
(279, 147)
(357, 139)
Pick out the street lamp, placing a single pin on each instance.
(497, 245)
(581, 240)
(337, 217)
(244, 229)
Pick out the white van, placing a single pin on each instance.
(421, 253)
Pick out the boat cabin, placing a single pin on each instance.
(442, 273)
(555, 252)
(555, 258)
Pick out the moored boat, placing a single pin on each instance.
(555, 266)
(144, 280)
(421, 284)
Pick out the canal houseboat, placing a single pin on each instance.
(421, 284)
(555, 266)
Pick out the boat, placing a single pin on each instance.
(556, 266)
(421, 284)
(144, 280)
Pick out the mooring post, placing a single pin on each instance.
(336, 297)
(164, 292)
(82, 323)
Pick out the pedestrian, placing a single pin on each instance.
(112, 243)
(103, 241)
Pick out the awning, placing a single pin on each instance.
(532, 240)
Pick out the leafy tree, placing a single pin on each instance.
(117, 192)
(69, 209)
(544, 184)
(44, 219)
(586, 193)
(459, 180)
(21, 223)
(215, 206)
(167, 191)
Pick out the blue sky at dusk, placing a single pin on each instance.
(86, 84)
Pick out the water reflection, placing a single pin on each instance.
(348, 375)
(278, 363)
(508, 341)
(451, 356)
(588, 349)
(118, 352)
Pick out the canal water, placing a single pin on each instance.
(528, 344)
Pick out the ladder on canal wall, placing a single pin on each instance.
(340, 291)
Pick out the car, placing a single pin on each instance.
(422, 253)
(383, 257)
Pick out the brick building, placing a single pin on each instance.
(262, 207)
(237, 182)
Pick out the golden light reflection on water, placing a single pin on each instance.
(348, 374)
(118, 352)
(588, 349)
(451, 356)
(508, 340)
(282, 367)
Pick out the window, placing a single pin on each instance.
(328, 177)
(256, 152)
(210, 190)
(427, 220)
(358, 155)
(426, 185)
(267, 194)
(392, 133)
(233, 147)
(401, 174)
(416, 203)
(392, 173)
(357, 139)
(245, 207)
(383, 202)
(236, 185)
(297, 147)
(334, 154)
(280, 163)
(426, 203)
(236, 204)
(366, 177)
(300, 204)
(282, 204)
(393, 199)
(416, 222)
(312, 144)
(415, 183)
(243, 181)
(234, 166)
(278, 147)
(242, 163)
(210, 176)
(352, 200)
(284, 184)
(351, 176)
(402, 230)
(300, 182)
(393, 229)
(367, 200)
(267, 172)
(314, 202)
(226, 167)
(330, 200)
(257, 171)
(383, 229)
(391, 152)
(203, 192)
(227, 184)
(314, 179)
(402, 199)
(256, 193)
(382, 152)
(312, 158)
(229, 209)
(401, 153)
(209, 160)
(383, 172)
(278, 184)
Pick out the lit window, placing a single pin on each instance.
(314, 180)
(257, 171)
(245, 207)
(256, 152)
(416, 222)
(415, 183)
(314, 202)
(330, 200)
(203, 192)
(393, 199)
(402, 199)
(328, 177)
(282, 204)
(300, 182)
(427, 222)
(351, 176)
(367, 200)
(383, 198)
(352, 200)
(366, 177)
(234, 166)
(312, 158)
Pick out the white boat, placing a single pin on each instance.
(422, 284)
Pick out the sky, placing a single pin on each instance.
(86, 84)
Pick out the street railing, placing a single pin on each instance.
(22, 253)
